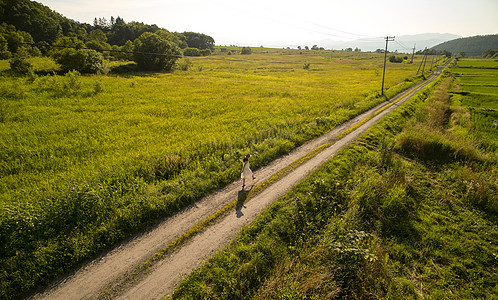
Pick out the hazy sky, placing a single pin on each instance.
(287, 22)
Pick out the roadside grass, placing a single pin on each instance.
(86, 161)
(379, 220)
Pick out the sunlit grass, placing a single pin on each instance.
(385, 218)
(87, 160)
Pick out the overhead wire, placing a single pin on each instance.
(293, 24)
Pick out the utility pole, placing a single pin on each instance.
(388, 39)
(413, 54)
(423, 59)
(423, 68)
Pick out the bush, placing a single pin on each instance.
(192, 52)
(246, 50)
(20, 66)
(206, 52)
(395, 59)
(184, 64)
(82, 60)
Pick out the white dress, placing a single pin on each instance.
(246, 171)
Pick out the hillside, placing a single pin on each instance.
(471, 46)
(404, 42)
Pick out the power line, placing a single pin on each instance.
(293, 24)
(402, 45)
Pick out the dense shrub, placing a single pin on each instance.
(81, 60)
(246, 50)
(184, 64)
(206, 52)
(154, 53)
(20, 66)
(192, 52)
(395, 59)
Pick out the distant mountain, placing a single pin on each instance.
(403, 43)
(471, 46)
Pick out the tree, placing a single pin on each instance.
(15, 41)
(4, 50)
(20, 66)
(199, 40)
(490, 53)
(191, 52)
(30, 16)
(154, 53)
(246, 50)
(176, 38)
(97, 40)
(97, 35)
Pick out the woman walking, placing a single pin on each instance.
(246, 171)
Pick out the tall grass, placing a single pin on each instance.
(89, 160)
(374, 223)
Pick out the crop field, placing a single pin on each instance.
(477, 88)
(86, 161)
(407, 212)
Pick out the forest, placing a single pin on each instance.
(470, 46)
(29, 29)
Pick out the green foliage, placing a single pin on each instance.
(395, 59)
(400, 228)
(246, 50)
(184, 64)
(490, 53)
(15, 42)
(206, 52)
(38, 20)
(472, 46)
(82, 60)
(122, 32)
(154, 53)
(421, 143)
(20, 66)
(116, 154)
(192, 52)
(198, 40)
(4, 50)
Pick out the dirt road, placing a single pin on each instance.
(107, 273)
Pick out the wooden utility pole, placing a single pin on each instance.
(388, 39)
(413, 54)
(423, 59)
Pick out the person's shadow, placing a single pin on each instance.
(241, 198)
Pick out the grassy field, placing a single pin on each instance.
(86, 161)
(408, 212)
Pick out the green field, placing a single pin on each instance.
(89, 160)
(410, 211)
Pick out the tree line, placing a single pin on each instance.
(32, 29)
(470, 46)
